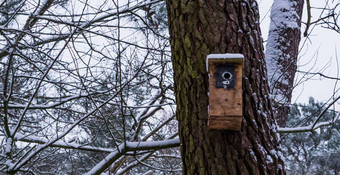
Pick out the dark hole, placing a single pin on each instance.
(226, 75)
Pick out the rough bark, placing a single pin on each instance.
(198, 28)
(282, 52)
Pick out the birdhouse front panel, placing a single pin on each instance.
(225, 91)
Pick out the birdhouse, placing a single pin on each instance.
(225, 91)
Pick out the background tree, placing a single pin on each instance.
(282, 54)
(313, 152)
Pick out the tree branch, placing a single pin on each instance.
(309, 15)
(60, 144)
(304, 128)
(131, 146)
(315, 124)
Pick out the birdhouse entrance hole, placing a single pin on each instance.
(225, 76)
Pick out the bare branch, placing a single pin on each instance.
(320, 74)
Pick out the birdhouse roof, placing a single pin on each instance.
(228, 57)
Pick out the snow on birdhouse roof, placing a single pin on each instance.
(223, 56)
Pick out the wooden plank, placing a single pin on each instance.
(225, 105)
(225, 102)
(225, 123)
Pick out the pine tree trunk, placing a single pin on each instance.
(282, 52)
(199, 28)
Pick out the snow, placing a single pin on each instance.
(59, 143)
(279, 153)
(274, 153)
(263, 151)
(253, 155)
(114, 153)
(225, 56)
(222, 56)
(262, 114)
(269, 160)
(132, 146)
(254, 4)
(304, 128)
(102, 163)
(8, 163)
(8, 145)
(151, 144)
(283, 16)
(11, 50)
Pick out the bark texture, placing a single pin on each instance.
(198, 28)
(282, 52)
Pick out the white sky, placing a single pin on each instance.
(318, 53)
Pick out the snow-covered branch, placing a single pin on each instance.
(131, 146)
(134, 163)
(61, 144)
(304, 128)
(315, 125)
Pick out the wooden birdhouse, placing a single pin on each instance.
(225, 91)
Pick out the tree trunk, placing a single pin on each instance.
(281, 54)
(199, 28)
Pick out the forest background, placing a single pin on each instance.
(87, 87)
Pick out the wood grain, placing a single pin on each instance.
(225, 105)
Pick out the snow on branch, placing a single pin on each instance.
(60, 144)
(114, 153)
(145, 156)
(134, 163)
(131, 146)
(139, 146)
(315, 125)
(304, 128)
